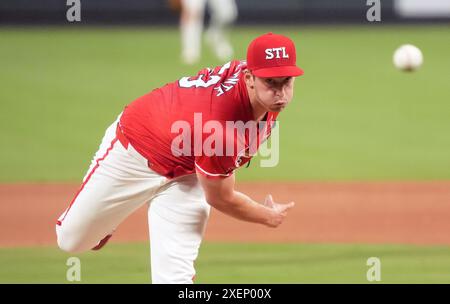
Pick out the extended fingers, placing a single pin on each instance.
(286, 207)
(268, 202)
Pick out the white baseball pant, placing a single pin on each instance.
(223, 13)
(117, 183)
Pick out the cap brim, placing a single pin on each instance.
(280, 71)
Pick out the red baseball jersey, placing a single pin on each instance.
(202, 123)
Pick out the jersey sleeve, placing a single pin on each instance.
(215, 166)
(215, 162)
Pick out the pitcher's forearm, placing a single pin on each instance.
(242, 207)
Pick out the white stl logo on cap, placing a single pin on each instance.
(270, 53)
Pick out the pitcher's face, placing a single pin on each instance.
(274, 94)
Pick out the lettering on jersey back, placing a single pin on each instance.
(230, 82)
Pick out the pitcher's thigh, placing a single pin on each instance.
(177, 221)
(97, 210)
(117, 184)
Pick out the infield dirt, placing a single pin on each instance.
(329, 212)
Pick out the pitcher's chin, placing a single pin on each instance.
(278, 107)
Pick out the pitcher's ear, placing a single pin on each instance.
(249, 78)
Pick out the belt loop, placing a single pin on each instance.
(123, 140)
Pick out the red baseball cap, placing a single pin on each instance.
(272, 55)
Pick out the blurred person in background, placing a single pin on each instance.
(192, 13)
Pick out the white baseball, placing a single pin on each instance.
(408, 57)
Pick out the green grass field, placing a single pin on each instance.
(237, 263)
(354, 117)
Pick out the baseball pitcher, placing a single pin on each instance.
(176, 150)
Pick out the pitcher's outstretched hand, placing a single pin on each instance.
(279, 211)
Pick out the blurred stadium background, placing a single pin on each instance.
(157, 12)
(354, 120)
